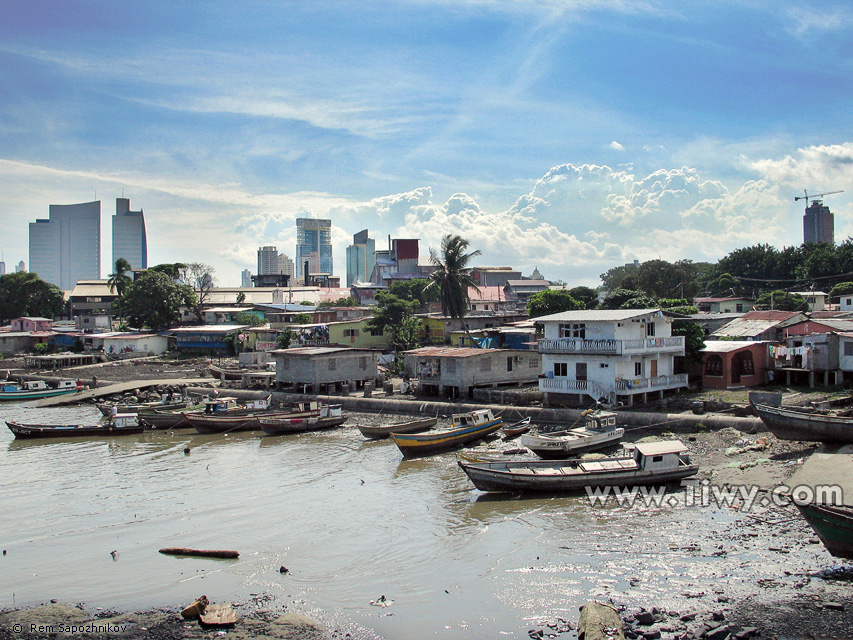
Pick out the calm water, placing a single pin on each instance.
(350, 520)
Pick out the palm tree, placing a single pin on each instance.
(120, 281)
(453, 278)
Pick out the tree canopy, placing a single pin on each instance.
(452, 277)
(154, 300)
(25, 294)
(414, 291)
(395, 316)
(552, 301)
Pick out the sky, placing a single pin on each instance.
(572, 136)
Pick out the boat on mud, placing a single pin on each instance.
(638, 464)
(788, 423)
(118, 425)
(248, 419)
(466, 427)
(598, 432)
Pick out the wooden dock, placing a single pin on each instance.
(107, 390)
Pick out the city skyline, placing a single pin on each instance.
(573, 136)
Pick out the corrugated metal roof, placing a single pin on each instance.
(452, 352)
(727, 346)
(744, 328)
(597, 315)
(312, 351)
(832, 323)
(210, 328)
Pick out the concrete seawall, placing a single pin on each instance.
(633, 419)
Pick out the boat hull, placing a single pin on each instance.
(544, 477)
(415, 426)
(274, 427)
(33, 395)
(414, 445)
(833, 525)
(787, 424)
(29, 431)
(208, 424)
(560, 445)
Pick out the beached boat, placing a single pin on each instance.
(385, 431)
(639, 464)
(466, 427)
(34, 389)
(516, 429)
(787, 423)
(107, 408)
(823, 492)
(330, 416)
(117, 425)
(599, 431)
(247, 420)
(223, 373)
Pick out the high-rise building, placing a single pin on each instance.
(246, 278)
(361, 257)
(267, 260)
(21, 267)
(66, 247)
(818, 223)
(2, 268)
(129, 239)
(314, 246)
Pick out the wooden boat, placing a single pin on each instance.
(516, 429)
(833, 525)
(466, 427)
(599, 431)
(787, 423)
(640, 464)
(33, 389)
(414, 426)
(222, 373)
(119, 425)
(144, 407)
(823, 492)
(331, 416)
(228, 422)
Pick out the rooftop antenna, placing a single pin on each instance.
(815, 197)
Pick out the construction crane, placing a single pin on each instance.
(815, 196)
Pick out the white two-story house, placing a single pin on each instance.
(617, 355)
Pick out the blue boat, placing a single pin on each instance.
(34, 389)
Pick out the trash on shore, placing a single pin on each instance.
(599, 621)
(218, 615)
(201, 553)
(196, 608)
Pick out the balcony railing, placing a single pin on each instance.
(622, 387)
(669, 344)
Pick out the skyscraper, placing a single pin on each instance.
(245, 278)
(2, 268)
(129, 239)
(285, 265)
(66, 247)
(361, 257)
(818, 223)
(267, 260)
(314, 246)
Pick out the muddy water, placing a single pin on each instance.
(350, 520)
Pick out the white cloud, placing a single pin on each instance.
(616, 146)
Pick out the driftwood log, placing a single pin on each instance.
(600, 621)
(201, 553)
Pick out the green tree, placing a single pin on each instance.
(25, 294)
(119, 281)
(841, 289)
(303, 318)
(552, 301)
(154, 300)
(395, 316)
(284, 339)
(241, 297)
(587, 295)
(349, 301)
(452, 278)
(248, 318)
(782, 301)
(414, 291)
(173, 270)
(694, 339)
(613, 278)
(627, 299)
(199, 276)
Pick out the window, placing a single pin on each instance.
(638, 368)
(534, 363)
(561, 369)
(576, 330)
(333, 364)
(848, 348)
(603, 365)
(509, 364)
(580, 371)
(650, 329)
(362, 363)
(375, 332)
(747, 366)
(714, 366)
(739, 308)
(657, 458)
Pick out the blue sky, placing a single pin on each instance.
(572, 136)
